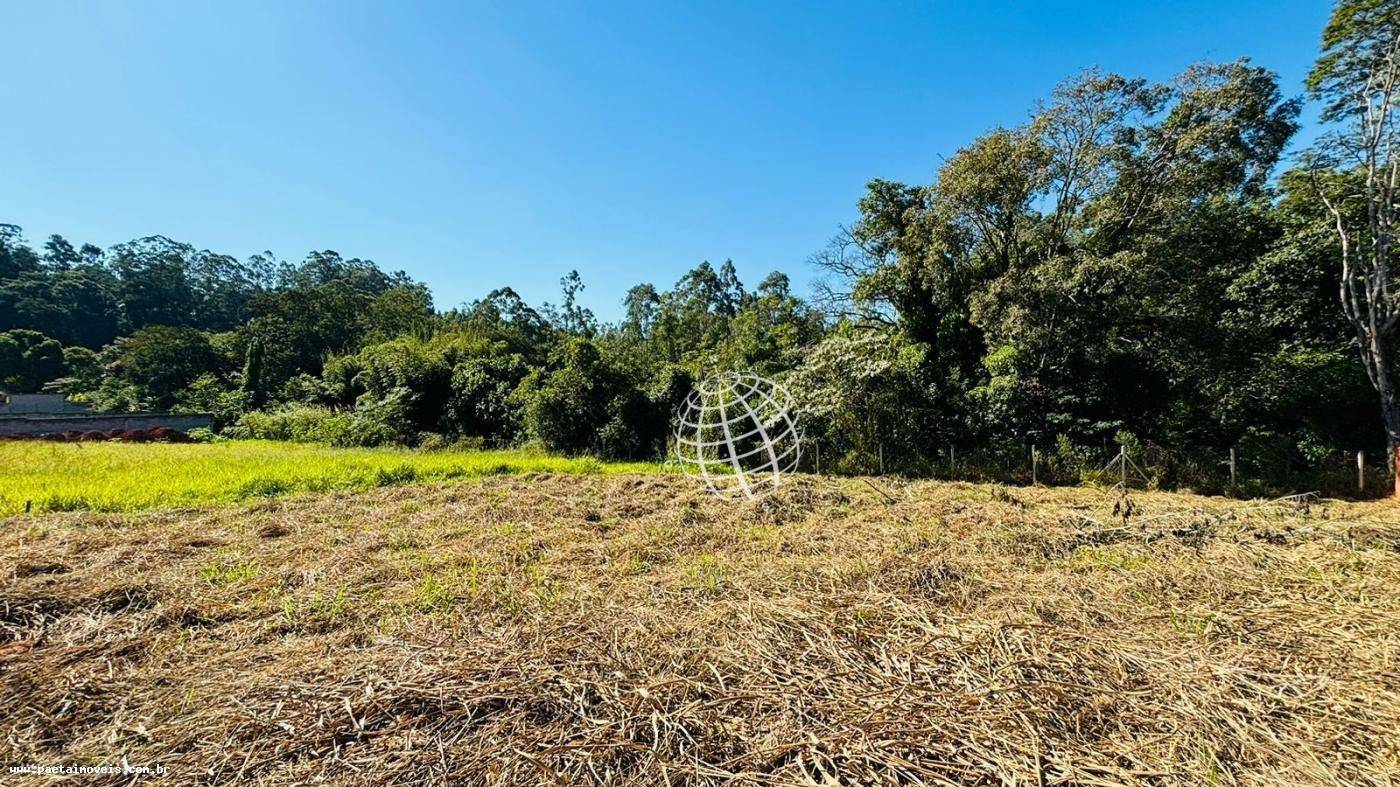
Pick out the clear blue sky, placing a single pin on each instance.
(507, 143)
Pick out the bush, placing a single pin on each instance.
(483, 402)
(468, 444)
(860, 393)
(433, 441)
(411, 370)
(587, 406)
(306, 424)
(306, 389)
(207, 394)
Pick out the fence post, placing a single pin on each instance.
(952, 461)
(1232, 467)
(880, 451)
(1123, 464)
(1035, 461)
(1361, 471)
(818, 447)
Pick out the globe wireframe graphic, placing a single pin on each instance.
(737, 433)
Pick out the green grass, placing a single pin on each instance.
(130, 477)
(222, 573)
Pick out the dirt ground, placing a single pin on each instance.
(548, 629)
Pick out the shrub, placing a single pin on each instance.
(412, 373)
(306, 424)
(305, 389)
(208, 394)
(482, 403)
(433, 441)
(587, 405)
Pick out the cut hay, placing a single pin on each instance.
(628, 630)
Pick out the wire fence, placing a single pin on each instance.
(1237, 472)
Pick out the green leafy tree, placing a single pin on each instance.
(75, 306)
(1068, 276)
(504, 316)
(860, 392)
(28, 360)
(153, 282)
(255, 373)
(331, 306)
(16, 258)
(82, 370)
(160, 361)
(483, 402)
(587, 404)
(770, 331)
(570, 317)
(640, 304)
(209, 393)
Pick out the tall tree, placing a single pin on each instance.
(154, 284)
(254, 371)
(640, 305)
(16, 257)
(570, 317)
(1357, 78)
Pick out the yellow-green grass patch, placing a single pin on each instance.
(112, 476)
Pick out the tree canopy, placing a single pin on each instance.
(1134, 263)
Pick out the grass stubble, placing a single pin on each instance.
(628, 629)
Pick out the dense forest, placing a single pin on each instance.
(1138, 263)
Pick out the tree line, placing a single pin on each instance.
(1138, 263)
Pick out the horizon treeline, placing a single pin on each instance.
(1135, 264)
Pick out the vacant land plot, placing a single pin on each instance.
(626, 629)
(128, 477)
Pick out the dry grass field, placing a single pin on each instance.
(626, 629)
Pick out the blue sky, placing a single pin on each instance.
(480, 145)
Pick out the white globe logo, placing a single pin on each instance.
(737, 433)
